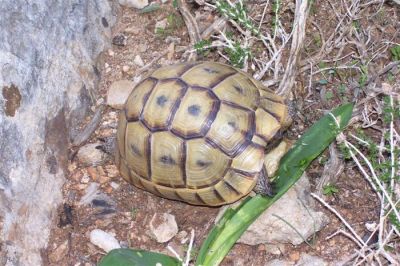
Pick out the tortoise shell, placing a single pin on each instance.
(197, 132)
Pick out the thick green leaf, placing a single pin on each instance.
(132, 257)
(235, 221)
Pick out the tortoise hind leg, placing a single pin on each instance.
(263, 186)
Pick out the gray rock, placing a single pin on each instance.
(91, 155)
(277, 262)
(163, 227)
(139, 4)
(48, 74)
(296, 208)
(59, 252)
(138, 61)
(104, 240)
(119, 92)
(309, 260)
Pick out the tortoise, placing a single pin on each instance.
(198, 132)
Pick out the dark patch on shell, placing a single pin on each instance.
(202, 163)
(194, 110)
(161, 100)
(167, 159)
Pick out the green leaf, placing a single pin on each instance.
(132, 257)
(150, 8)
(236, 220)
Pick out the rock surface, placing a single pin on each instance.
(119, 92)
(309, 260)
(104, 240)
(139, 4)
(163, 227)
(295, 207)
(47, 76)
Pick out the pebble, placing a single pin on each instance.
(92, 172)
(138, 61)
(59, 252)
(164, 1)
(111, 52)
(125, 68)
(163, 227)
(90, 155)
(139, 4)
(161, 24)
(294, 256)
(114, 185)
(85, 179)
(103, 240)
(119, 40)
(112, 170)
(119, 92)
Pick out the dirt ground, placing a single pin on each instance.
(129, 218)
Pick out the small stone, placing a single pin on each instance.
(164, 1)
(112, 170)
(139, 4)
(92, 172)
(138, 61)
(294, 256)
(85, 179)
(59, 252)
(119, 40)
(119, 92)
(114, 185)
(108, 69)
(310, 260)
(294, 207)
(103, 179)
(90, 155)
(371, 226)
(111, 52)
(106, 65)
(72, 167)
(104, 240)
(125, 68)
(161, 24)
(182, 237)
(275, 249)
(163, 227)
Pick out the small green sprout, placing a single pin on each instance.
(395, 51)
(237, 54)
(237, 12)
(202, 46)
(330, 190)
